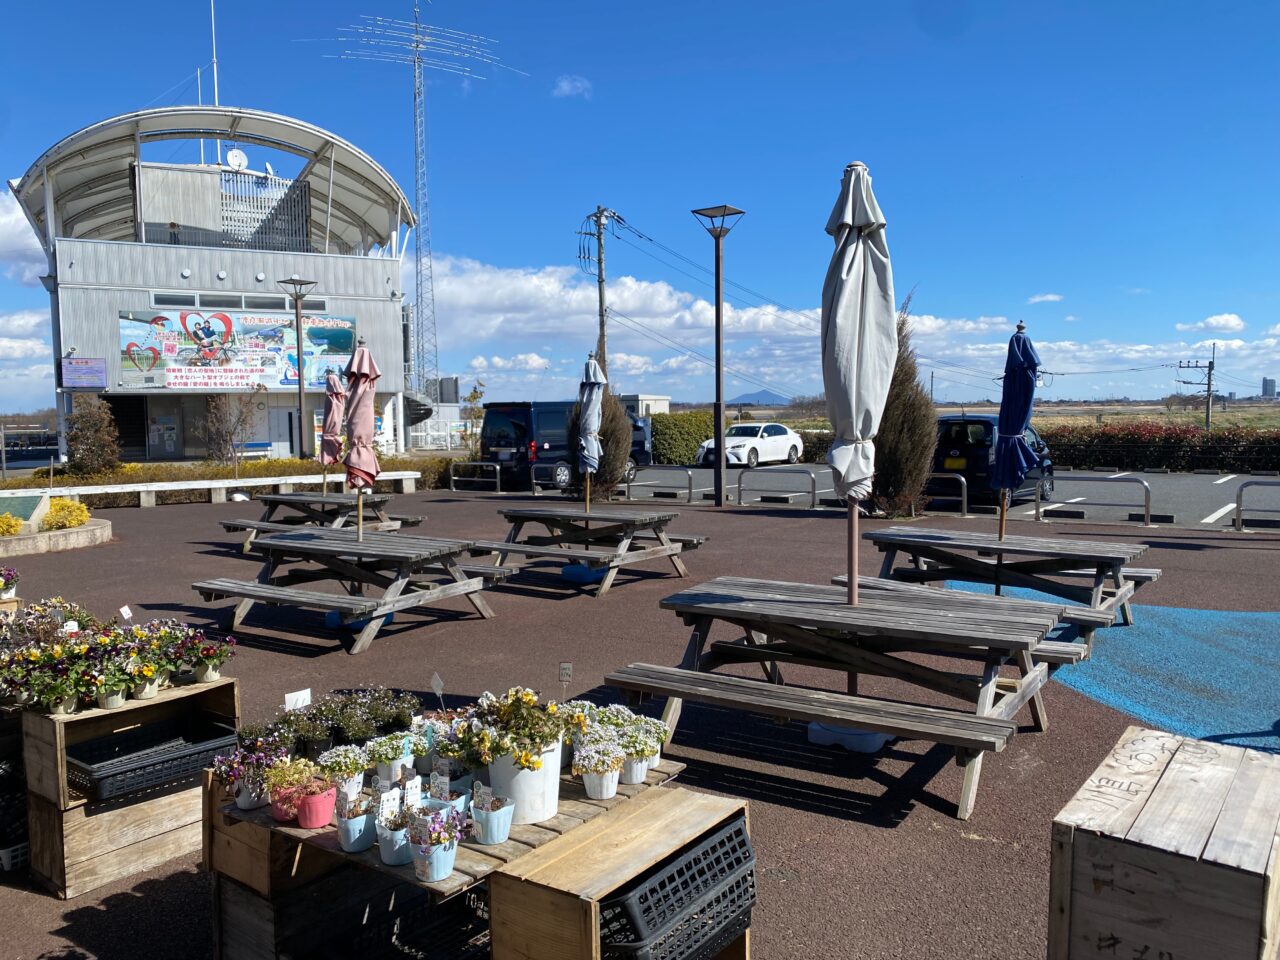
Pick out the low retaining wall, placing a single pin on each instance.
(91, 534)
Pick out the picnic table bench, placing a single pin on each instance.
(607, 538)
(410, 571)
(1033, 562)
(813, 625)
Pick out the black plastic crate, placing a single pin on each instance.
(13, 816)
(151, 755)
(688, 907)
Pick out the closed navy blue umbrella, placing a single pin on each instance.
(1013, 457)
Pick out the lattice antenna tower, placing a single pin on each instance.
(421, 47)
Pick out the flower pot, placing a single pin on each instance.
(389, 773)
(357, 833)
(655, 760)
(536, 793)
(601, 786)
(311, 749)
(145, 689)
(316, 811)
(459, 804)
(18, 697)
(853, 739)
(393, 846)
(252, 797)
(111, 699)
(162, 676)
(283, 808)
(434, 862)
(208, 672)
(351, 786)
(634, 770)
(8, 593)
(66, 705)
(492, 826)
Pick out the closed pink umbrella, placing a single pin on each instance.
(335, 405)
(361, 459)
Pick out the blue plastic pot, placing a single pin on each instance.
(431, 864)
(581, 574)
(492, 826)
(357, 833)
(394, 846)
(432, 804)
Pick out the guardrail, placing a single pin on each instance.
(813, 483)
(1239, 520)
(964, 489)
(1146, 494)
(497, 476)
(688, 484)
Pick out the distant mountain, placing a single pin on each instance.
(761, 398)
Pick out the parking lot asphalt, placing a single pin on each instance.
(859, 857)
(1189, 500)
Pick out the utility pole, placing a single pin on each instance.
(1207, 384)
(931, 386)
(598, 219)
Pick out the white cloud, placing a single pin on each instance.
(521, 361)
(1045, 298)
(24, 322)
(1070, 318)
(1274, 331)
(572, 85)
(22, 348)
(21, 257)
(1225, 322)
(1138, 291)
(39, 371)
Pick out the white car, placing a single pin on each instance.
(747, 444)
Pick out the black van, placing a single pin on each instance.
(966, 445)
(531, 439)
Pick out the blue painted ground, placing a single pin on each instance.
(1210, 674)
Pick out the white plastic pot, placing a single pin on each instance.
(851, 738)
(251, 797)
(601, 786)
(536, 792)
(634, 770)
(655, 760)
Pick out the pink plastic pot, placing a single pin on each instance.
(316, 811)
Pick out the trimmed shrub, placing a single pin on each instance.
(93, 445)
(816, 445)
(677, 436)
(64, 514)
(1175, 447)
(908, 433)
(10, 526)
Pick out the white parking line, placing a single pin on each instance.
(1229, 476)
(1051, 506)
(1115, 475)
(1219, 514)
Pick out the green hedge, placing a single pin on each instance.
(816, 445)
(677, 436)
(1176, 447)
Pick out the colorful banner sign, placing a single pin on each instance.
(229, 350)
(84, 373)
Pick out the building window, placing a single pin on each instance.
(173, 299)
(312, 303)
(224, 300)
(266, 303)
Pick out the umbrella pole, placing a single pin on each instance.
(1004, 508)
(587, 502)
(853, 552)
(360, 514)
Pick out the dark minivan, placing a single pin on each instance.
(531, 440)
(966, 445)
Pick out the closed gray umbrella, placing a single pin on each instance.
(590, 399)
(361, 459)
(859, 342)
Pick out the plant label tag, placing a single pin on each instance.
(566, 672)
(484, 797)
(298, 699)
(71, 628)
(389, 804)
(437, 687)
(413, 793)
(439, 787)
(442, 766)
(342, 804)
(126, 613)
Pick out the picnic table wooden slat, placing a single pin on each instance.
(906, 537)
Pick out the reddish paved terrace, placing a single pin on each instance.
(858, 858)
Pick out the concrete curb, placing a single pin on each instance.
(91, 534)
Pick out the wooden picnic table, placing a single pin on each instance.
(1039, 563)
(780, 624)
(326, 509)
(606, 538)
(410, 571)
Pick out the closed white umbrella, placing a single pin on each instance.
(859, 342)
(590, 400)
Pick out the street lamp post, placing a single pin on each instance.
(298, 289)
(718, 221)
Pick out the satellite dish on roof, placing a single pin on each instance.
(237, 160)
(270, 172)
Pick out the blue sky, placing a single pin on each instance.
(1103, 171)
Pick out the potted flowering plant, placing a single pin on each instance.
(434, 847)
(345, 766)
(357, 826)
(166, 642)
(207, 655)
(244, 770)
(660, 734)
(143, 675)
(598, 758)
(393, 838)
(638, 745)
(54, 679)
(106, 670)
(450, 736)
(521, 741)
(491, 819)
(9, 578)
(312, 731)
(297, 790)
(391, 754)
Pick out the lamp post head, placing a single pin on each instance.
(718, 221)
(297, 288)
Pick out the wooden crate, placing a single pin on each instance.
(546, 904)
(1170, 850)
(78, 845)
